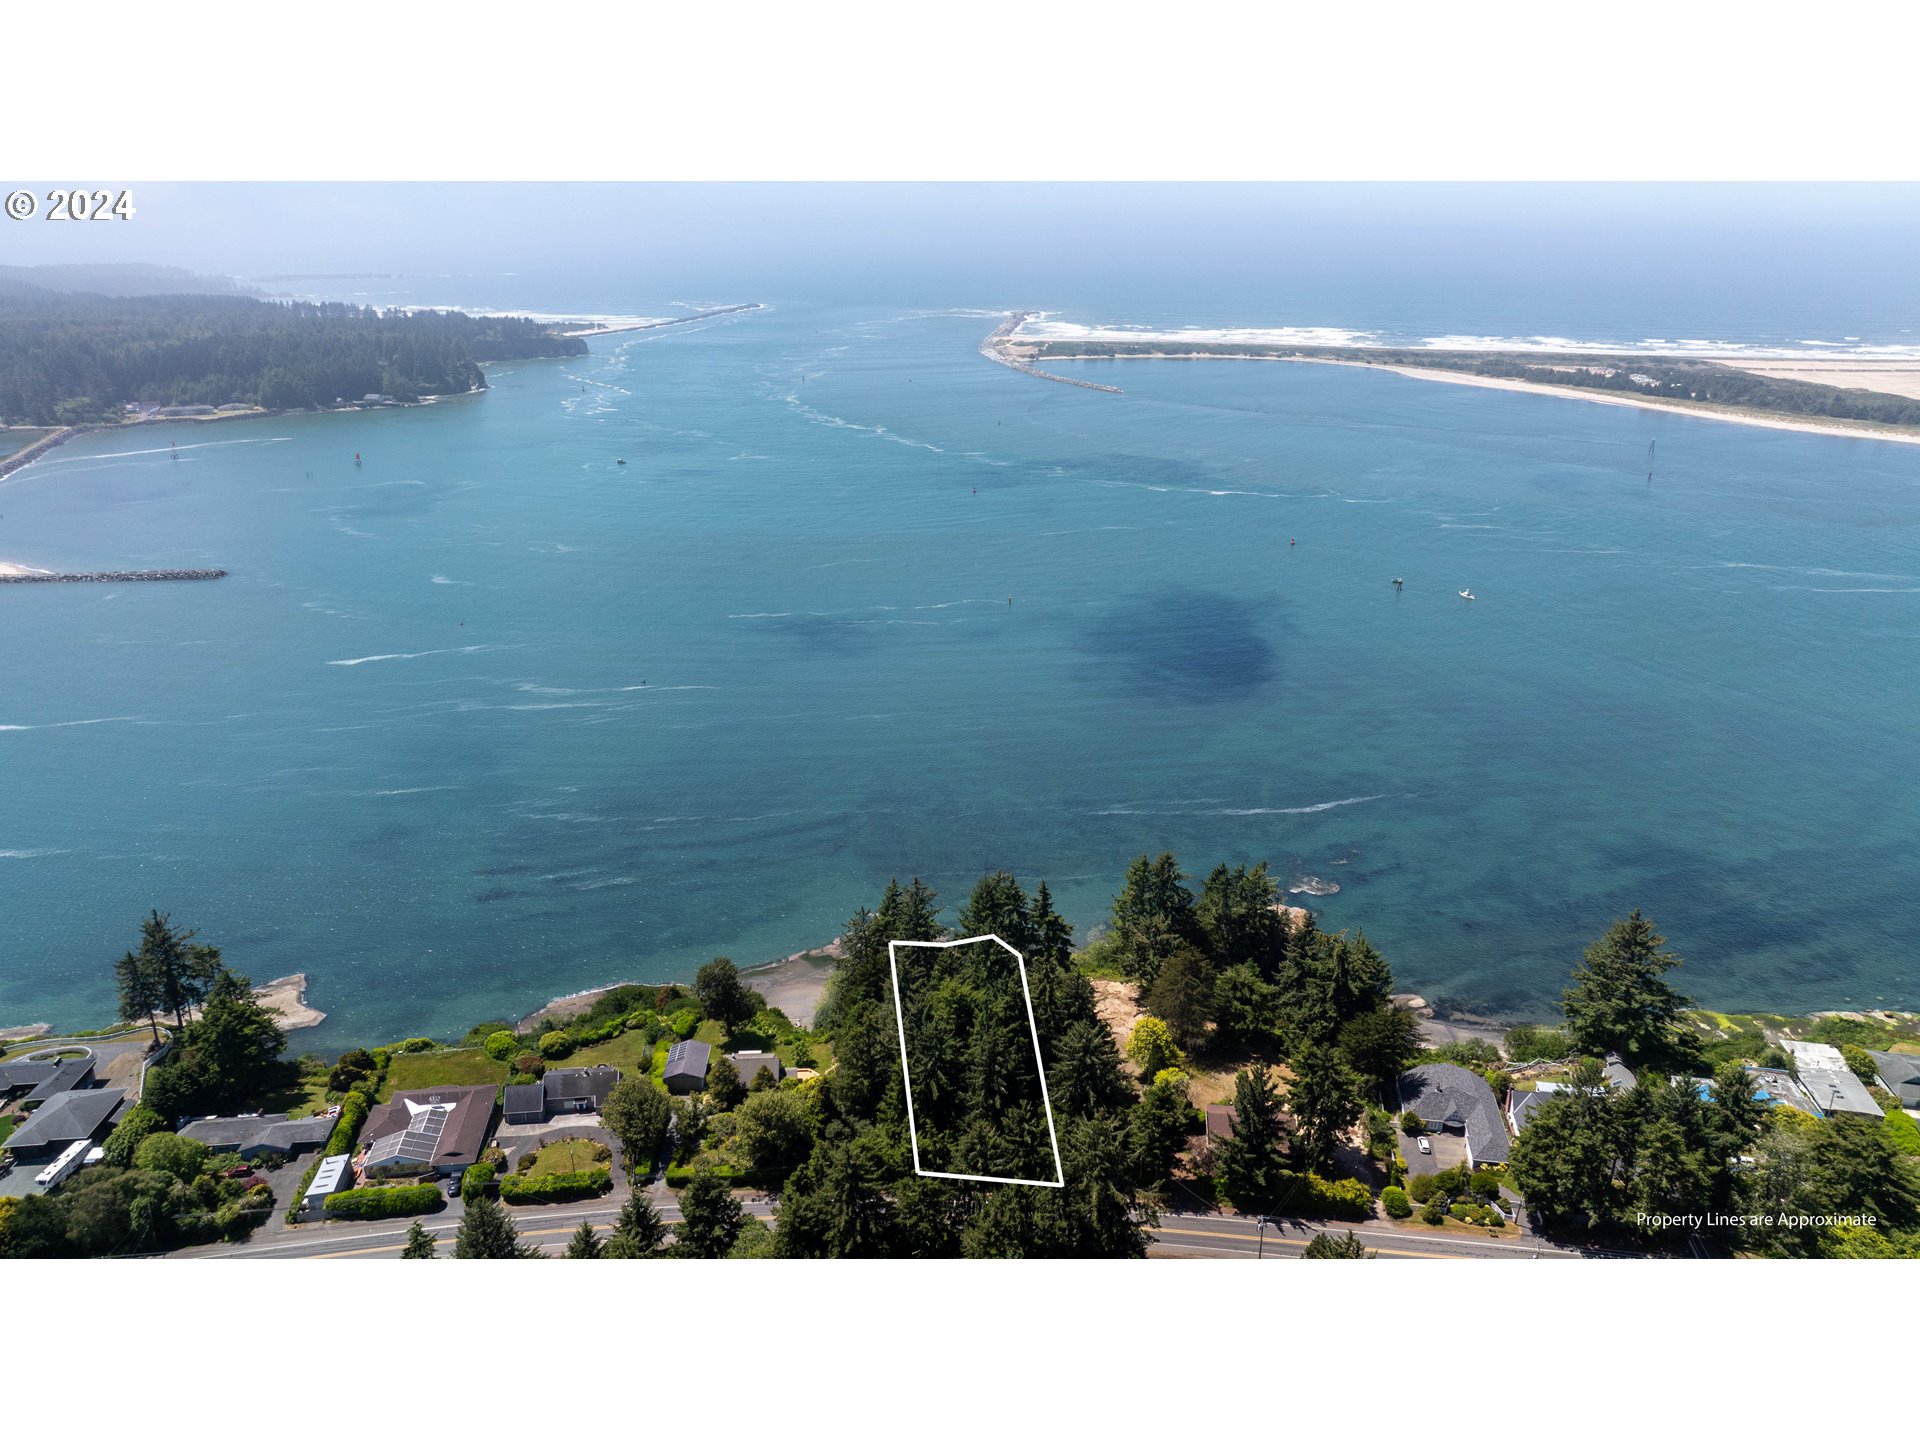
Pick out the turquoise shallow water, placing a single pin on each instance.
(492, 718)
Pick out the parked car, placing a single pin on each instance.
(453, 1188)
(1426, 1148)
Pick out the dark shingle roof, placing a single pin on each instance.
(1900, 1074)
(520, 1104)
(578, 1084)
(688, 1057)
(76, 1115)
(1522, 1103)
(66, 1075)
(751, 1062)
(228, 1132)
(290, 1135)
(1443, 1094)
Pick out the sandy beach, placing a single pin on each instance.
(793, 986)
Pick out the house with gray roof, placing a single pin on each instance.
(1451, 1099)
(580, 1091)
(44, 1079)
(750, 1063)
(1901, 1075)
(1521, 1104)
(255, 1137)
(523, 1104)
(74, 1115)
(1617, 1074)
(438, 1131)
(687, 1066)
(1830, 1082)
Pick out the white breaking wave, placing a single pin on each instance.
(30, 854)
(411, 655)
(64, 724)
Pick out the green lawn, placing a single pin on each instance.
(307, 1095)
(564, 1157)
(431, 1068)
(7, 1125)
(624, 1052)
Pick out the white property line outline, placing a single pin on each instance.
(906, 1076)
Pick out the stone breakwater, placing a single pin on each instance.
(110, 577)
(994, 347)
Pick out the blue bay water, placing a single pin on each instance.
(491, 717)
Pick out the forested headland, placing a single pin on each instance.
(75, 358)
(1675, 381)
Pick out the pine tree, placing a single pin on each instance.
(487, 1233)
(1250, 1157)
(637, 1232)
(1182, 995)
(1328, 1246)
(710, 1218)
(1619, 1002)
(420, 1245)
(1324, 1101)
(585, 1244)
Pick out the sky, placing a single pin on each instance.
(685, 230)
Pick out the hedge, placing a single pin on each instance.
(1310, 1195)
(1904, 1133)
(553, 1189)
(383, 1201)
(678, 1176)
(346, 1130)
(475, 1180)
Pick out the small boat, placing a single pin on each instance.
(619, 462)
(1466, 595)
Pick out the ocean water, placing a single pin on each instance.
(491, 717)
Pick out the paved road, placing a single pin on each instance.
(547, 1226)
(1228, 1236)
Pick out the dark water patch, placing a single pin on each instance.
(1185, 644)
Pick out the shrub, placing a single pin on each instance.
(683, 1023)
(1421, 1188)
(556, 1045)
(501, 1044)
(171, 1154)
(549, 1189)
(415, 1045)
(1434, 1212)
(381, 1202)
(1451, 1182)
(1903, 1132)
(133, 1127)
(346, 1130)
(1484, 1184)
(1537, 1042)
(475, 1181)
(1328, 1199)
(1151, 1046)
(1410, 1123)
(1394, 1200)
(526, 1162)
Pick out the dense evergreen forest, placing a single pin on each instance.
(1682, 381)
(76, 358)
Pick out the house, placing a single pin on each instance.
(1825, 1076)
(334, 1175)
(1901, 1075)
(579, 1091)
(421, 1132)
(1521, 1104)
(255, 1137)
(751, 1062)
(1776, 1087)
(1616, 1073)
(523, 1104)
(687, 1066)
(73, 1116)
(44, 1079)
(1451, 1099)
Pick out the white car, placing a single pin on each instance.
(1425, 1148)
